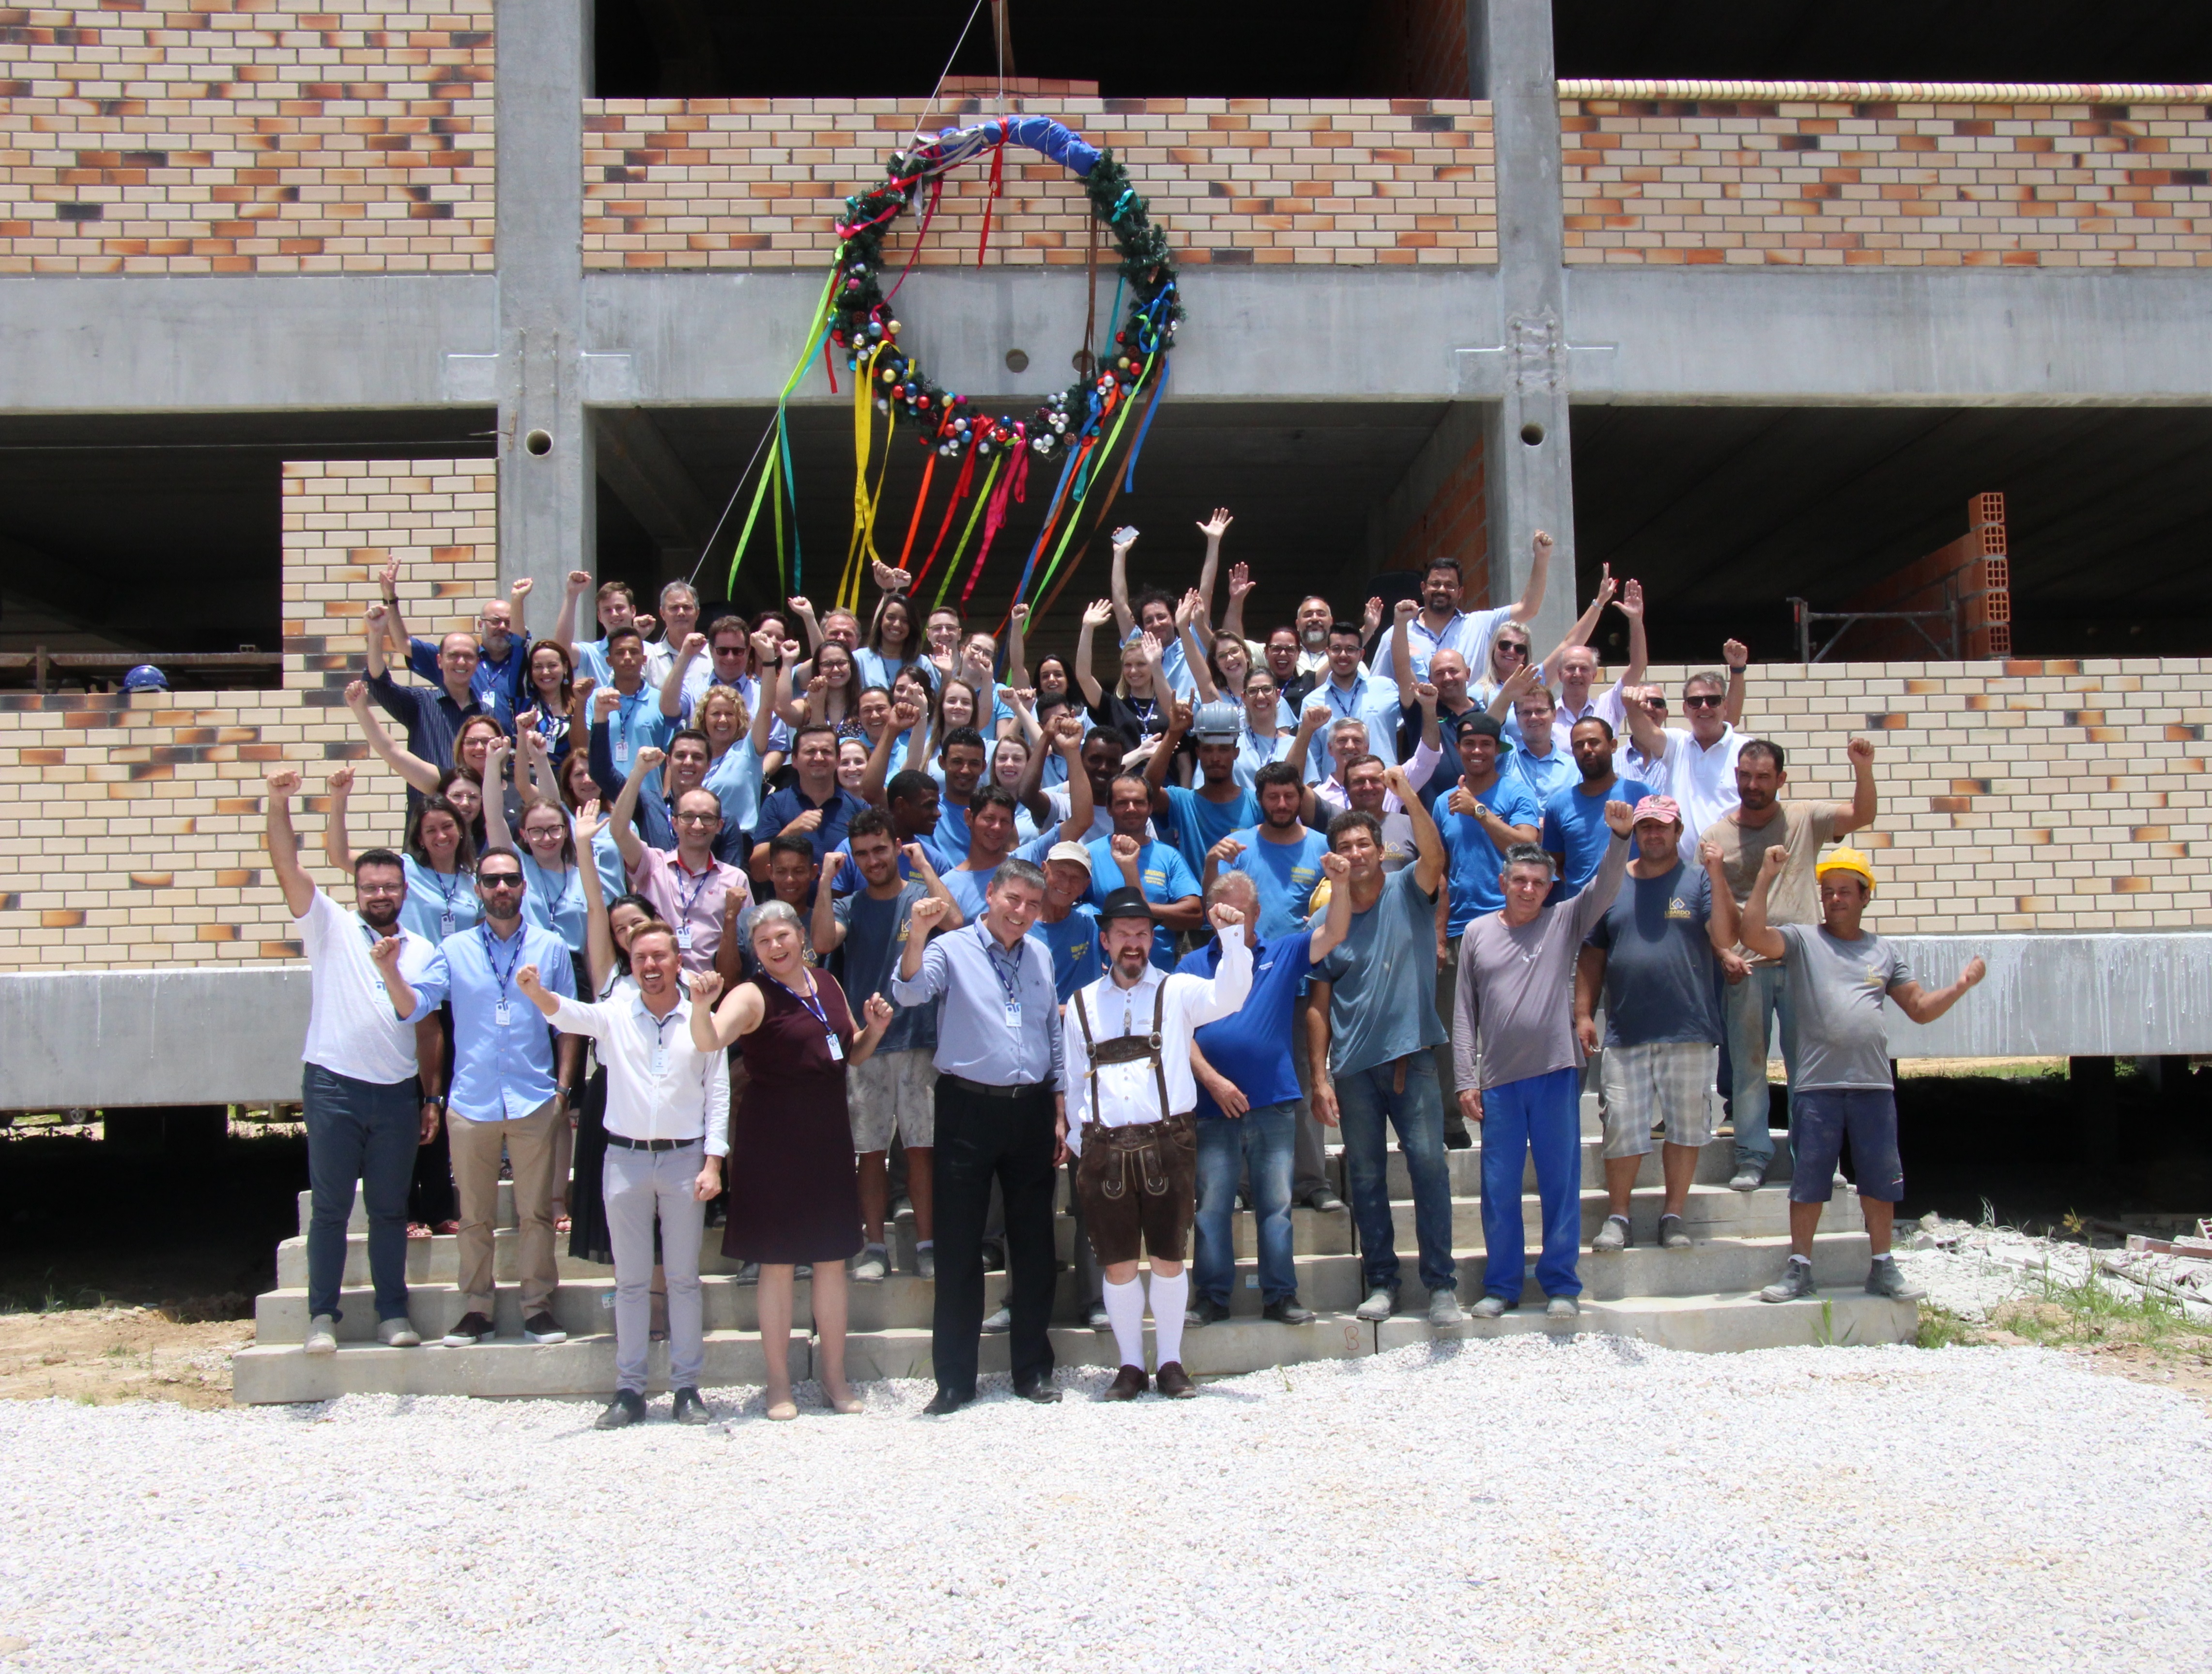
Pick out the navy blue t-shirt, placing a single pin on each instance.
(875, 942)
(1251, 1050)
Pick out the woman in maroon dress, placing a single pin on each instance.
(794, 1185)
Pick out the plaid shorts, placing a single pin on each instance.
(1668, 1079)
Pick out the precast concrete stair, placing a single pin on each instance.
(1701, 1299)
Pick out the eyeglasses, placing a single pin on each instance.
(1704, 700)
(729, 650)
(1507, 647)
(503, 880)
(697, 819)
(379, 889)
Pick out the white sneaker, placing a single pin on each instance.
(1562, 1307)
(1444, 1309)
(1377, 1307)
(925, 1263)
(322, 1335)
(1003, 1320)
(874, 1263)
(398, 1334)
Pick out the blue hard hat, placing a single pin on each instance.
(145, 678)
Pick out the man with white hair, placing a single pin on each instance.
(679, 620)
(1131, 1095)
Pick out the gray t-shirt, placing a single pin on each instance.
(1659, 961)
(1383, 1003)
(875, 942)
(1515, 1006)
(1836, 990)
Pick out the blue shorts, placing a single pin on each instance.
(1818, 1122)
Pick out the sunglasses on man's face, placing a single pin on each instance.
(1704, 700)
(500, 881)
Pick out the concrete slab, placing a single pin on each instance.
(582, 1365)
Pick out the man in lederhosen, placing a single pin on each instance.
(1130, 1099)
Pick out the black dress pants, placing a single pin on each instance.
(982, 1138)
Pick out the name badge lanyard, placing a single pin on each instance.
(498, 1012)
(657, 1066)
(1010, 986)
(550, 899)
(624, 709)
(687, 900)
(819, 1012)
(446, 919)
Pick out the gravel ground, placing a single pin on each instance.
(1514, 1504)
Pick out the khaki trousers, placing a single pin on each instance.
(528, 1143)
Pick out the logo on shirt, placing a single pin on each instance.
(1678, 908)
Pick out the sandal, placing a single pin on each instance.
(562, 1225)
(449, 1229)
(418, 1229)
(783, 1411)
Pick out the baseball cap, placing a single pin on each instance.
(1663, 809)
(145, 678)
(1485, 725)
(1218, 722)
(1074, 852)
(1847, 859)
(1126, 902)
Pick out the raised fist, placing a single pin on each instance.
(604, 702)
(706, 986)
(1860, 749)
(1335, 867)
(284, 781)
(693, 644)
(579, 582)
(356, 694)
(1225, 916)
(877, 1012)
(650, 758)
(927, 911)
(1620, 817)
(340, 783)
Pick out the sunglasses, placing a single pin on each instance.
(1704, 701)
(1507, 647)
(500, 881)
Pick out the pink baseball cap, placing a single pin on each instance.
(1663, 809)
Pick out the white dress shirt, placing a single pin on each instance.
(1702, 779)
(659, 1086)
(1129, 1093)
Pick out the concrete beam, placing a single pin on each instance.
(93, 1038)
(1254, 334)
(2063, 996)
(202, 345)
(1891, 336)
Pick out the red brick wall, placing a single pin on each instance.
(245, 137)
(1455, 524)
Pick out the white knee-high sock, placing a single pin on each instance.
(1124, 1311)
(1169, 1297)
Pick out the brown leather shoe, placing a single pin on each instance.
(1173, 1382)
(1128, 1384)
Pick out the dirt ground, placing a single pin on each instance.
(97, 1355)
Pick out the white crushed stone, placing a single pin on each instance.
(1514, 1504)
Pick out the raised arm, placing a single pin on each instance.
(1156, 768)
(1540, 569)
(1722, 928)
(284, 847)
(1865, 804)
(804, 610)
(1240, 589)
(1598, 894)
(875, 1014)
(1214, 528)
(671, 689)
(1429, 867)
(1631, 605)
(564, 625)
(396, 635)
(926, 916)
(1585, 625)
(497, 835)
(337, 849)
(828, 934)
(1738, 658)
(1336, 923)
(1124, 619)
(1922, 1006)
(599, 938)
(1402, 660)
(918, 858)
(1096, 616)
(406, 764)
(1193, 654)
(1018, 663)
(764, 725)
(1644, 731)
(624, 818)
(1082, 807)
(374, 630)
(904, 717)
(1521, 679)
(1757, 936)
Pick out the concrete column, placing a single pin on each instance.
(1528, 471)
(547, 483)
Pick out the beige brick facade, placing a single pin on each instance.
(131, 835)
(1886, 182)
(755, 183)
(245, 137)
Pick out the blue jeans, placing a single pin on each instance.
(1540, 1114)
(357, 1131)
(1264, 1137)
(1749, 1009)
(1364, 1100)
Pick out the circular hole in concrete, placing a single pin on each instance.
(540, 442)
(1016, 361)
(1533, 434)
(1083, 361)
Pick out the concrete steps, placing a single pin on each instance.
(1699, 1299)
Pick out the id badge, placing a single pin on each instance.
(445, 924)
(837, 1049)
(683, 937)
(1013, 1014)
(622, 752)
(499, 1013)
(659, 1066)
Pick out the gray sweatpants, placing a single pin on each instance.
(639, 1183)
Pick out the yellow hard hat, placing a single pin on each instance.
(1847, 859)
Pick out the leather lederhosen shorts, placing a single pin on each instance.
(1139, 1186)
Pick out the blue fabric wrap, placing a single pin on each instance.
(1040, 133)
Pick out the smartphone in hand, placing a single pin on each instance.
(1125, 534)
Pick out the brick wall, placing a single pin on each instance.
(245, 137)
(130, 835)
(2021, 795)
(1892, 182)
(753, 183)
(1455, 524)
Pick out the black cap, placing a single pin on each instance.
(1485, 726)
(1126, 902)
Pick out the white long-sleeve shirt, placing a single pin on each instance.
(1129, 1093)
(659, 1086)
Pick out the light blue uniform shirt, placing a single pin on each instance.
(1163, 876)
(969, 888)
(734, 776)
(1543, 777)
(437, 903)
(1371, 700)
(501, 1071)
(998, 1016)
(554, 901)
(1284, 875)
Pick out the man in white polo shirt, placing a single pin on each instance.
(363, 1106)
(668, 1130)
(1697, 768)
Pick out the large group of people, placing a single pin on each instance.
(693, 926)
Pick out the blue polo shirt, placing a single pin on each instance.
(1163, 877)
(1251, 1049)
(780, 807)
(1285, 874)
(1197, 823)
(1473, 862)
(1077, 960)
(1575, 829)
